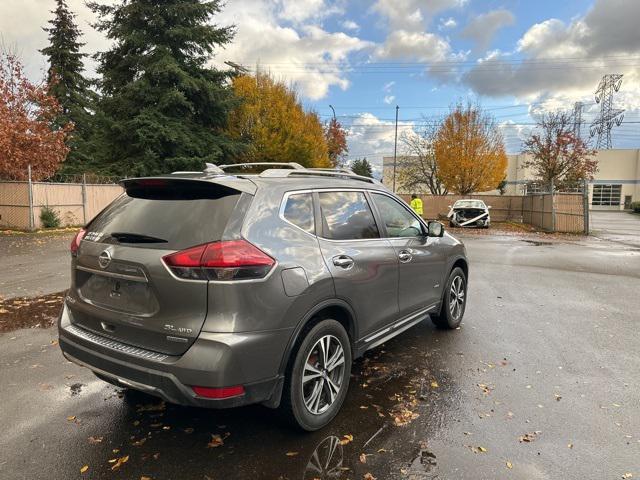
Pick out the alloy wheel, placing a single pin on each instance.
(456, 297)
(322, 374)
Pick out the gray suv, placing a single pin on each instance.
(218, 289)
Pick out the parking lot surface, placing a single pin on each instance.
(623, 227)
(540, 382)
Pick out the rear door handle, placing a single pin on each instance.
(343, 261)
(405, 256)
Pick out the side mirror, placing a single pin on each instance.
(449, 207)
(489, 207)
(436, 229)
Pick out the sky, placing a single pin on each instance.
(515, 58)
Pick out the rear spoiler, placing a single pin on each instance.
(228, 182)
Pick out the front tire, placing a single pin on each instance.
(318, 376)
(454, 301)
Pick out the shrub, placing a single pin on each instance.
(635, 206)
(49, 218)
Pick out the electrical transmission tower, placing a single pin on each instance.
(577, 119)
(608, 115)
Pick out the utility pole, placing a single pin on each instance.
(395, 151)
(609, 116)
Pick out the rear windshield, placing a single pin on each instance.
(167, 215)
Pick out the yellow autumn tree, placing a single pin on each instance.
(273, 123)
(469, 151)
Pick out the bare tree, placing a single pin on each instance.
(418, 166)
(558, 156)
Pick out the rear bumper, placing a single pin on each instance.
(214, 360)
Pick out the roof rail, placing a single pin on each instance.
(283, 173)
(291, 165)
(334, 169)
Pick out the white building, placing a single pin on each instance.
(616, 183)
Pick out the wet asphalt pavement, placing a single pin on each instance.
(548, 352)
(37, 264)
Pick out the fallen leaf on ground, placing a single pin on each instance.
(144, 477)
(291, 454)
(368, 476)
(528, 437)
(363, 458)
(509, 465)
(71, 418)
(188, 430)
(434, 384)
(94, 440)
(570, 445)
(216, 441)
(84, 469)
(119, 462)
(140, 442)
(346, 439)
(627, 475)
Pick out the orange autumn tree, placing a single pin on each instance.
(273, 124)
(28, 134)
(470, 151)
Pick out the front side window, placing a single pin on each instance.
(346, 216)
(299, 211)
(398, 221)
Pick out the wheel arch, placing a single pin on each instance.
(335, 309)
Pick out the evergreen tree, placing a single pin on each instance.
(68, 84)
(361, 166)
(164, 108)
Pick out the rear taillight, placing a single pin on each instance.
(224, 392)
(75, 243)
(225, 260)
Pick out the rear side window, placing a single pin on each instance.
(169, 215)
(346, 216)
(299, 211)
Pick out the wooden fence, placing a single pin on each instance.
(560, 212)
(76, 203)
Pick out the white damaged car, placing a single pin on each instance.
(469, 213)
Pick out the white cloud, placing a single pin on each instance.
(564, 62)
(388, 99)
(298, 11)
(373, 138)
(304, 55)
(413, 14)
(21, 31)
(421, 46)
(409, 37)
(447, 23)
(351, 25)
(483, 27)
(387, 86)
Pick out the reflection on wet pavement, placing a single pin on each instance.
(393, 393)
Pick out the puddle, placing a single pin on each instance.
(537, 243)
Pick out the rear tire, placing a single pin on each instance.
(317, 378)
(454, 301)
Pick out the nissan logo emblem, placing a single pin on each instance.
(104, 259)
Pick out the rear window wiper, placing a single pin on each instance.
(124, 237)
